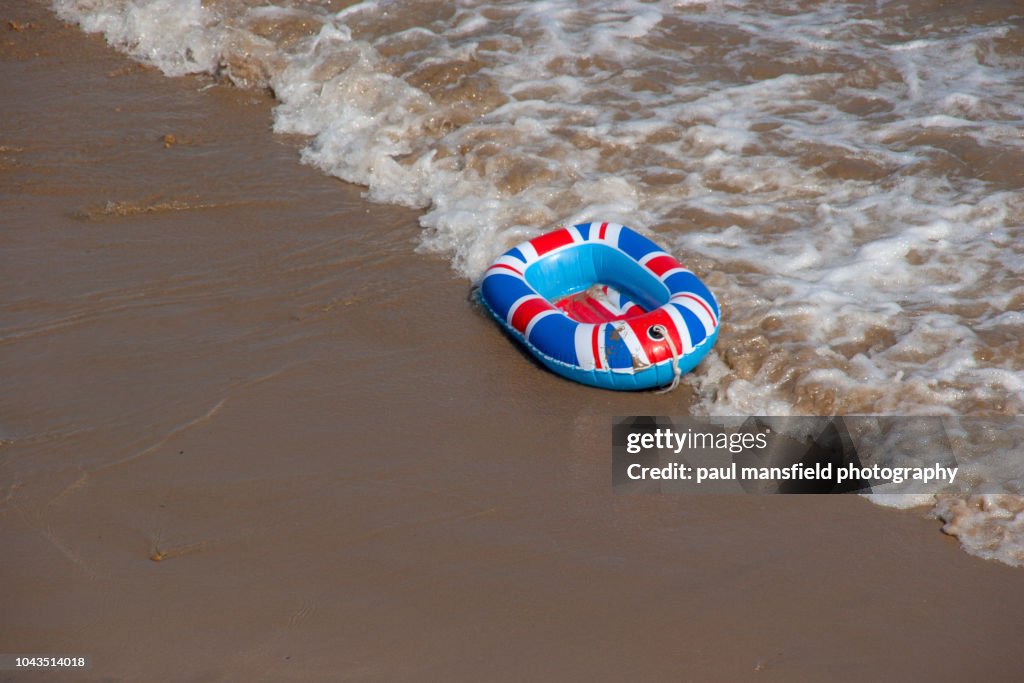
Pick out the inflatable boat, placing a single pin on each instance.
(601, 304)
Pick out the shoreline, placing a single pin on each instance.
(251, 434)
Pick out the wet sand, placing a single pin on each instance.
(248, 433)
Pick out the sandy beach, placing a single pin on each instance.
(249, 433)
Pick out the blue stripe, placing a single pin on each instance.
(501, 291)
(555, 335)
(693, 324)
(516, 253)
(636, 245)
(615, 350)
(584, 230)
(688, 282)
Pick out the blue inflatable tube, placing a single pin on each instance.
(603, 305)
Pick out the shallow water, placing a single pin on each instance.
(846, 176)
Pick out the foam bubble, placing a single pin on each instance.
(989, 526)
(178, 36)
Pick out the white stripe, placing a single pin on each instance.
(577, 238)
(614, 297)
(510, 261)
(669, 273)
(698, 310)
(529, 253)
(518, 302)
(611, 299)
(652, 255)
(536, 319)
(611, 234)
(622, 308)
(636, 348)
(584, 348)
(681, 328)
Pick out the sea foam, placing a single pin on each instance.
(847, 178)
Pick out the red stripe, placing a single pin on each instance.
(601, 231)
(596, 348)
(600, 309)
(583, 311)
(527, 310)
(714, 320)
(551, 241)
(502, 265)
(657, 351)
(659, 265)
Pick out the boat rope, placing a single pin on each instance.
(675, 359)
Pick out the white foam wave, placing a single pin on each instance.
(178, 36)
(846, 177)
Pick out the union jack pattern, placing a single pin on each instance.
(653, 314)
